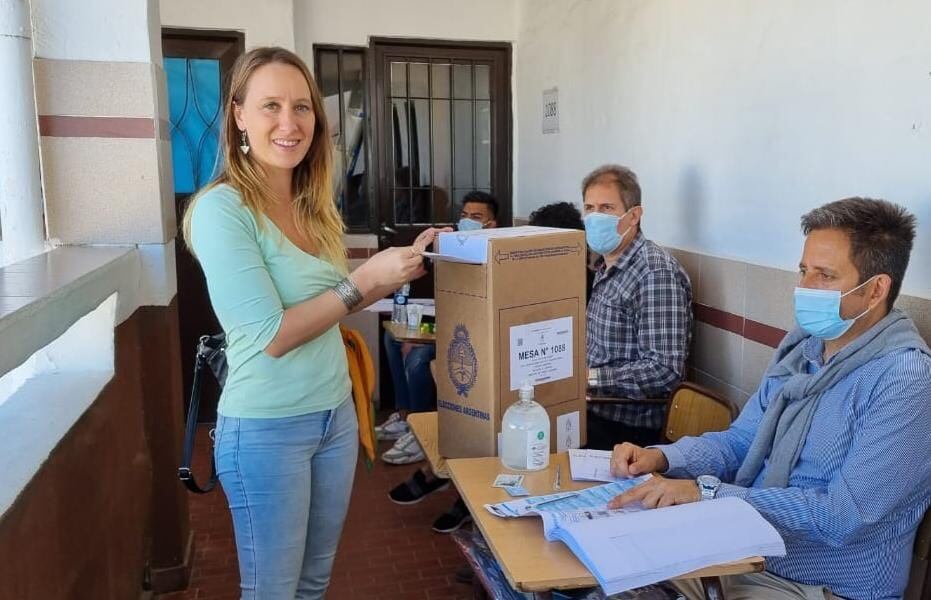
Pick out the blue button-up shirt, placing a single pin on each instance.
(639, 329)
(862, 482)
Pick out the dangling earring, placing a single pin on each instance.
(244, 142)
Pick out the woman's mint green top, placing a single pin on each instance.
(253, 274)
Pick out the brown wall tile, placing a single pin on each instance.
(723, 284)
(96, 513)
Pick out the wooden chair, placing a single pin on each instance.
(919, 580)
(691, 410)
(694, 410)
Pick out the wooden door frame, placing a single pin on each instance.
(379, 47)
(370, 185)
(197, 43)
(192, 37)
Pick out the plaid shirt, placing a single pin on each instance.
(639, 330)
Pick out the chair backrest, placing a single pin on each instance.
(693, 410)
(919, 580)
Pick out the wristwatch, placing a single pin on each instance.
(708, 486)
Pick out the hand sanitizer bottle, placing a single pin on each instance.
(525, 434)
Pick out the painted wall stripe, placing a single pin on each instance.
(101, 127)
(748, 328)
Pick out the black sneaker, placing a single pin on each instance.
(452, 520)
(464, 575)
(416, 489)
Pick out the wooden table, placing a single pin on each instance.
(530, 563)
(413, 336)
(423, 426)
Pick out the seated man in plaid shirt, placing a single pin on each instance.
(639, 314)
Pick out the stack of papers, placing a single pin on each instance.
(632, 547)
(629, 550)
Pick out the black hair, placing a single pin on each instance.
(558, 214)
(881, 236)
(482, 198)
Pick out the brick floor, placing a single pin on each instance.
(387, 552)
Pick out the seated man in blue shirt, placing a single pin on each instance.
(834, 448)
(639, 314)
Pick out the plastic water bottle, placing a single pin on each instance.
(525, 434)
(399, 311)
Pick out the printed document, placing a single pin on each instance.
(591, 465)
(632, 547)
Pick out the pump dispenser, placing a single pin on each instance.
(525, 433)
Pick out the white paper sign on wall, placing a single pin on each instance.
(551, 110)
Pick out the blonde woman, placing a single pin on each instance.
(268, 236)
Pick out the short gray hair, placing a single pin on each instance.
(623, 178)
(881, 236)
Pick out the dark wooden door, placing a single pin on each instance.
(197, 66)
(442, 125)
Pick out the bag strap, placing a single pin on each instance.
(184, 471)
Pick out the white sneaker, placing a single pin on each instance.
(392, 418)
(404, 452)
(392, 431)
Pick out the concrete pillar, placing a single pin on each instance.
(22, 222)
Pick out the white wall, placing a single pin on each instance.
(352, 22)
(738, 115)
(265, 23)
(99, 31)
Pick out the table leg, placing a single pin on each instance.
(714, 590)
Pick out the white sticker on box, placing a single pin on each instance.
(567, 431)
(541, 352)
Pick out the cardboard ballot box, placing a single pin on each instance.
(510, 307)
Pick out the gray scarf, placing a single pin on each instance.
(784, 427)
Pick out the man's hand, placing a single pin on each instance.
(628, 460)
(658, 492)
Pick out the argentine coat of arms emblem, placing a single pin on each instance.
(462, 365)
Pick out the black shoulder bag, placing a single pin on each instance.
(211, 352)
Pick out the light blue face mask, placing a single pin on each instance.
(470, 224)
(601, 232)
(818, 312)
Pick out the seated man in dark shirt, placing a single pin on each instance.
(639, 314)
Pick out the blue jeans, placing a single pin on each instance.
(288, 483)
(414, 389)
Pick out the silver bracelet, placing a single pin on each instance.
(347, 291)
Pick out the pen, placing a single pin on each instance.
(556, 485)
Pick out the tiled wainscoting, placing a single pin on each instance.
(741, 313)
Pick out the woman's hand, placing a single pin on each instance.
(427, 236)
(390, 268)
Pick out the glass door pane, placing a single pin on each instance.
(194, 120)
(439, 135)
